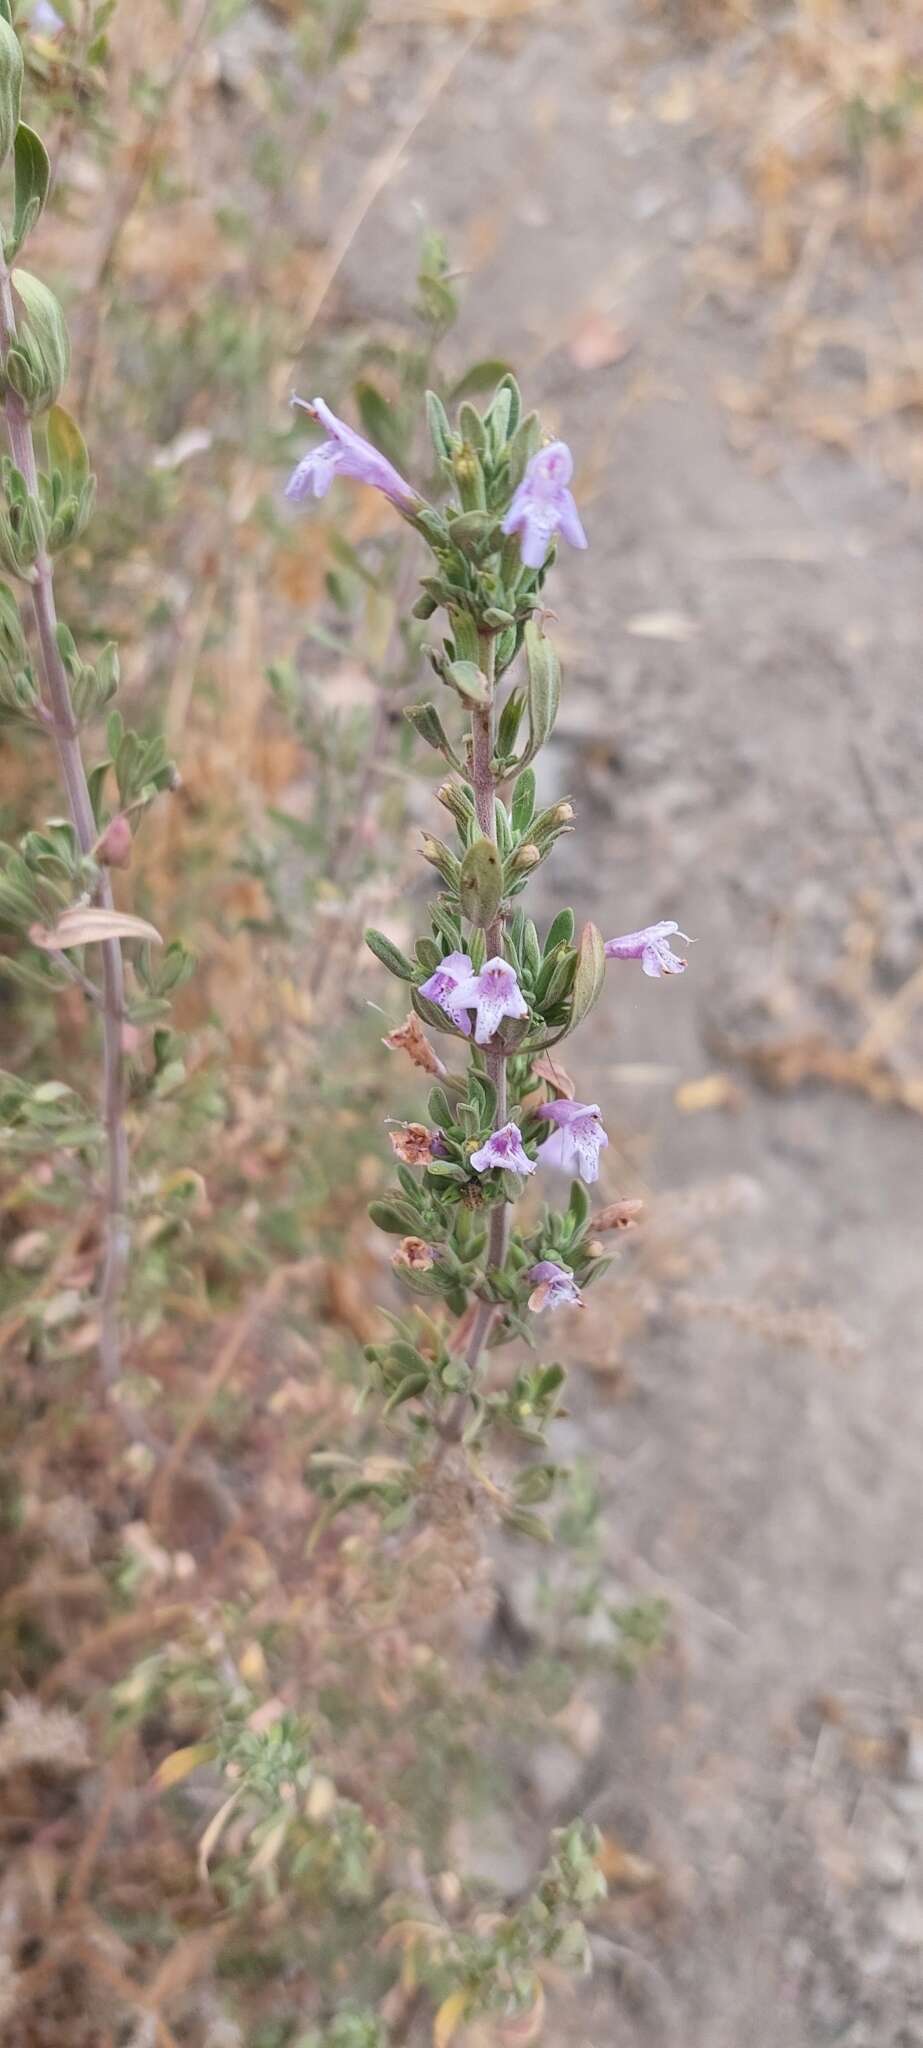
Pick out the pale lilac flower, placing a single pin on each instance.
(494, 994)
(443, 986)
(554, 1287)
(45, 18)
(345, 453)
(578, 1140)
(503, 1148)
(650, 947)
(543, 505)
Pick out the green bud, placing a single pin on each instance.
(480, 885)
(11, 70)
(454, 797)
(424, 607)
(37, 365)
(469, 479)
(442, 859)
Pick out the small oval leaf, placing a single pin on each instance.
(590, 975)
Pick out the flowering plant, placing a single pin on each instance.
(481, 974)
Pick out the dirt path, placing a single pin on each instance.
(747, 765)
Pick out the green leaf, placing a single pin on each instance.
(527, 1524)
(32, 179)
(523, 806)
(480, 884)
(481, 377)
(509, 722)
(395, 1219)
(390, 956)
(544, 687)
(590, 975)
(426, 721)
(469, 681)
(415, 1383)
(440, 430)
(67, 450)
(11, 70)
(561, 931)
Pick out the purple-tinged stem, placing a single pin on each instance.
(485, 790)
(67, 740)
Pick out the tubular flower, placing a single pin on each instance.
(576, 1143)
(442, 988)
(503, 1148)
(543, 505)
(345, 453)
(651, 947)
(493, 994)
(553, 1287)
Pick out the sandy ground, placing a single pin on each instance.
(743, 732)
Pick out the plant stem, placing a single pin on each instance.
(485, 790)
(67, 740)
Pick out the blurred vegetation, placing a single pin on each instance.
(241, 1733)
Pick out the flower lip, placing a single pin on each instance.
(442, 988)
(577, 1140)
(543, 505)
(504, 1149)
(553, 1287)
(493, 993)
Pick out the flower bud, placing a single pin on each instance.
(469, 479)
(527, 857)
(36, 366)
(114, 849)
(563, 813)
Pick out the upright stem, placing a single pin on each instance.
(67, 740)
(485, 791)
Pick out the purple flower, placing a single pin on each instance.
(578, 1140)
(443, 986)
(543, 505)
(494, 994)
(650, 947)
(345, 453)
(503, 1148)
(553, 1287)
(45, 18)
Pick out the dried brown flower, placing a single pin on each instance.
(413, 1144)
(411, 1039)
